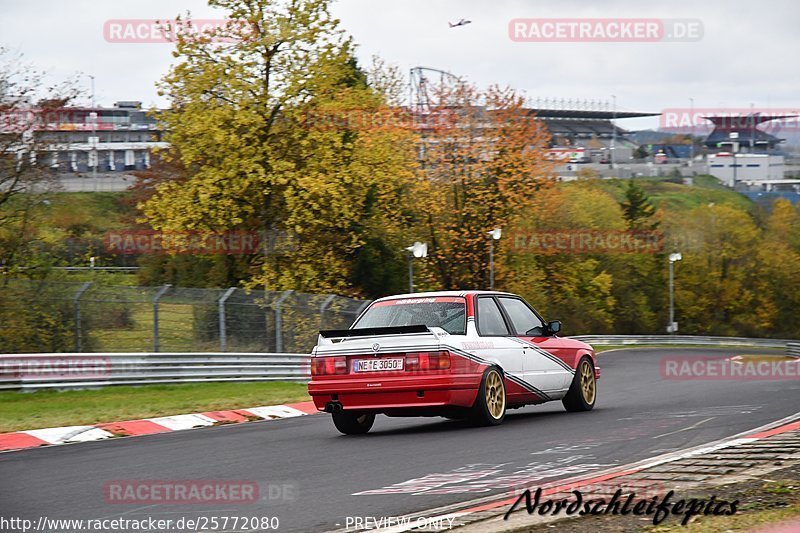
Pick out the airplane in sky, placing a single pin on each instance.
(462, 22)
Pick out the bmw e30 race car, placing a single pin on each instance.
(470, 355)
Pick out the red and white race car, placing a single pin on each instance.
(454, 354)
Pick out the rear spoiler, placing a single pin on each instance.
(369, 332)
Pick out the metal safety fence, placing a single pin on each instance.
(90, 317)
(65, 371)
(683, 340)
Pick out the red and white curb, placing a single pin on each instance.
(70, 434)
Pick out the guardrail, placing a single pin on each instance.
(30, 372)
(64, 371)
(625, 340)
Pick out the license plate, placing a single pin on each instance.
(377, 365)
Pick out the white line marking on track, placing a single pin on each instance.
(684, 429)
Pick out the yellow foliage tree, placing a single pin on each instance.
(244, 123)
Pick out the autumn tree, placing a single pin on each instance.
(777, 284)
(570, 284)
(714, 283)
(31, 316)
(483, 162)
(26, 181)
(260, 119)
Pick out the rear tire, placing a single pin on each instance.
(583, 390)
(490, 405)
(353, 423)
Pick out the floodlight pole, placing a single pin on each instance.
(418, 249)
(410, 272)
(491, 264)
(671, 299)
(691, 134)
(494, 235)
(614, 132)
(672, 258)
(93, 115)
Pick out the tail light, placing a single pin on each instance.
(423, 361)
(324, 366)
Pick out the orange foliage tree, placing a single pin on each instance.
(483, 158)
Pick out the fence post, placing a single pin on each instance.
(77, 302)
(223, 337)
(322, 308)
(279, 320)
(156, 298)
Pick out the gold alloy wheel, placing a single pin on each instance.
(495, 395)
(587, 382)
(361, 419)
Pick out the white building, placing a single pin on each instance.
(78, 140)
(751, 169)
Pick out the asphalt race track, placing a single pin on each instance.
(309, 475)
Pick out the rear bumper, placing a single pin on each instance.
(390, 394)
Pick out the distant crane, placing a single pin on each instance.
(462, 22)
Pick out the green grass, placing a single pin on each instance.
(176, 323)
(676, 196)
(24, 410)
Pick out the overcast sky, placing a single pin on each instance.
(748, 53)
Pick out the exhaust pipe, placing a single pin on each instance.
(333, 407)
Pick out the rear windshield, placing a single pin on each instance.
(448, 313)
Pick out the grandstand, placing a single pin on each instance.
(571, 123)
(591, 129)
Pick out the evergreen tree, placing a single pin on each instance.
(637, 209)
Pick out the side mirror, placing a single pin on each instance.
(554, 326)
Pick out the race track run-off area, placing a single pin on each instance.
(311, 478)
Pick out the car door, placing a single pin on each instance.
(541, 368)
(494, 331)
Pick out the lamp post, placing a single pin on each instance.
(418, 250)
(94, 156)
(613, 131)
(691, 134)
(672, 328)
(495, 235)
